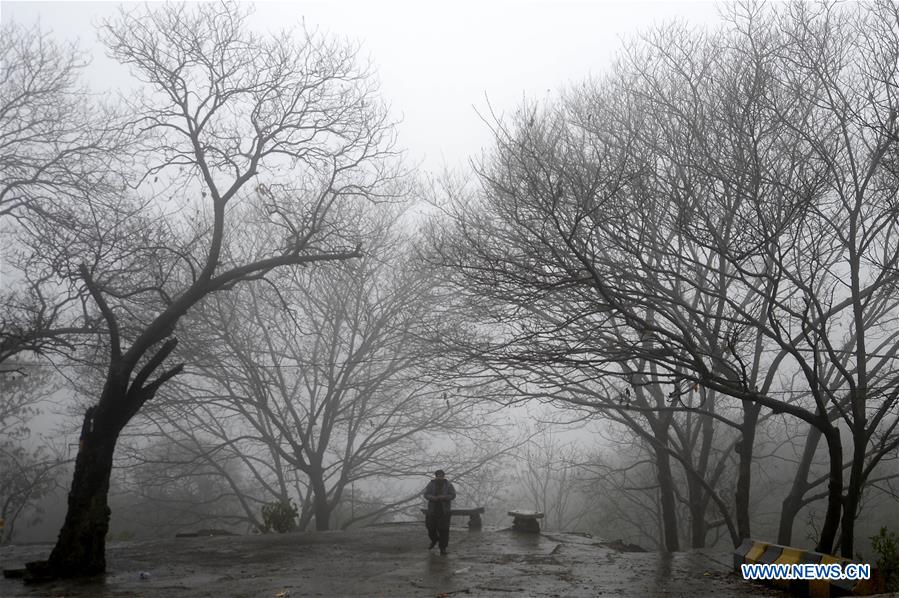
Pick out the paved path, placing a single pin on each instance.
(389, 561)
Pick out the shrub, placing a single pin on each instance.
(279, 516)
(886, 545)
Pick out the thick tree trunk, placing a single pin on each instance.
(744, 468)
(81, 546)
(699, 495)
(834, 492)
(853, 496)
(698, 526)
(793, 503)
(667, 499)
(320, 505)
(697, 503)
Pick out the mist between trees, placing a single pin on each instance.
(221, 279)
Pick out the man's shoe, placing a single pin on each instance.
(443, 551)
(433, 544)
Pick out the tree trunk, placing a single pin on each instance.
(792, 504)
(834, 491)
(698, 495)
(320, 505)
(698, 527)
(81, 546)
(853, 496)
(667, 498)
(744, 468)
(697, 505)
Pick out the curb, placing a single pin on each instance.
(757, 552)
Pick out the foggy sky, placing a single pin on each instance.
(439, 62)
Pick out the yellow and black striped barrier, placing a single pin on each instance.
(764, 553)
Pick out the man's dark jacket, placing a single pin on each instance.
(439, 510)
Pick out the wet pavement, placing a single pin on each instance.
(386, 561)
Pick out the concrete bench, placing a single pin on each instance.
(526, 521)
(474, 516)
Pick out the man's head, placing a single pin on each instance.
(439, 474)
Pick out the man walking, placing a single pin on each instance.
(440, 494)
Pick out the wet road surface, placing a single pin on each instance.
(386, 561)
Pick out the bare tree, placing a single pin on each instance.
(550, 337)
(235, 135)
(56, 146)
(160, 489)
(321, 382)
(715, 217)
(551, 475)
(29, 468)
(793, 195)
(625, 493)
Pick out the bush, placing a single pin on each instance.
(886, 545)
(279, 516)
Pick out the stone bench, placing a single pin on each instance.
(474, 516)
(526, 521)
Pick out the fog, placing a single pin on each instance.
(268, 266)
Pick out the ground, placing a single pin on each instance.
(391, 561)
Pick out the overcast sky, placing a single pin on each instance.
(438, 61)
